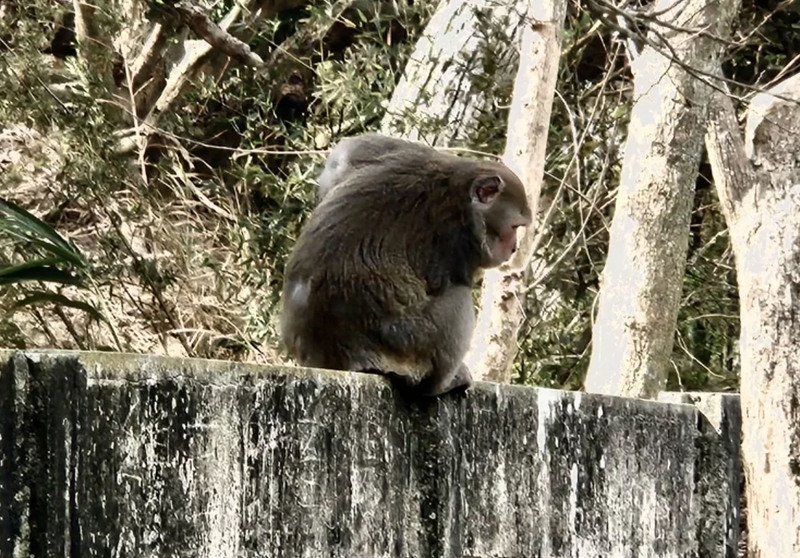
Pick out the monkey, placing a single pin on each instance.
(356, 152)
(380, 278)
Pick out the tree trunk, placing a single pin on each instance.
(437, 100)
(761, 201)
(641, 287)
(494, 344)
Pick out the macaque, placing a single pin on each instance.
(380, 279)
(356, 153)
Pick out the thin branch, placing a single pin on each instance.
(709, 78)
(198, 21)
(179, 76)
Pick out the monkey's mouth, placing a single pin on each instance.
(508, 241)
(500, 247)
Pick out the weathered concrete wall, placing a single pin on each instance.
(719, 468)
(131, 456)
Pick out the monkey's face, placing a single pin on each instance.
(501, 246)
(501, 208)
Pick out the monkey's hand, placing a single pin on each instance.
(458, 381)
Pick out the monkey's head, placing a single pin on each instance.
(500, 207)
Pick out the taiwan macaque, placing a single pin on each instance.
(358, 152)
(381, 277)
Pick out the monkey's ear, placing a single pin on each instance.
(486, 188)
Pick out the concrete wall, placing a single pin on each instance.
(132, 456)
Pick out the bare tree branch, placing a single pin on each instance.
(178, 79)
(198, 21)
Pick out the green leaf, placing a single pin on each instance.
(24, 225)
(41, 262)
(64, 256)
(37, 270)
(57, 299)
